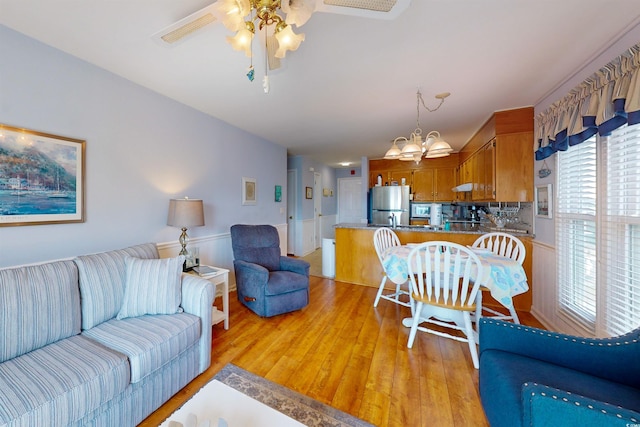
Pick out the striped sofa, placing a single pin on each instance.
(66, 360)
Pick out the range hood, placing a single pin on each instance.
(463, 187)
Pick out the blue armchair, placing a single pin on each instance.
(533, 377)
(268, 283)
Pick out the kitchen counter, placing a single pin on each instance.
(357, 261)
(466, 227)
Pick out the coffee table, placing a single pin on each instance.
(217, 400)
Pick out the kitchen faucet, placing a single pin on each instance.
(394, 221)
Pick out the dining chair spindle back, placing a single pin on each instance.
(443, 291)
(384, 238)
(506, 245)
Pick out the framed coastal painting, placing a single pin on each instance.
(41, 178)
(543, 203)
(249, 190)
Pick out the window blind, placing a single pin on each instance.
(621, 230)
(576, 209)
(598, 232)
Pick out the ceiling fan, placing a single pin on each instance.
(297, 13)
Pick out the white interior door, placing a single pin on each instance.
(291, 209)
(350, 206)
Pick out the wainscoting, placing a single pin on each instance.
(544, 283)
(545, 292)
(216, 250)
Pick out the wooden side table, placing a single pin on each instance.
(218, 276)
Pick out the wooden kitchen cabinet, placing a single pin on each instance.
(434, 185)
(500, 156)
(444, 181)
(397, 176)
(489, 165)
(430, 180)
(423, 185)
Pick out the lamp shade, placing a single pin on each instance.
(185, 213)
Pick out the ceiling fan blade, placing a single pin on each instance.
(183, 29)
(380, 9)
(272, 47)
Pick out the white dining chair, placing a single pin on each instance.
(384, 238)
(506, 245)
(443, 291)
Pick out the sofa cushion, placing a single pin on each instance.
(102, 281)
(59, 383)
(152, 286)
(503, 374)
(40, 305)
(148, 341)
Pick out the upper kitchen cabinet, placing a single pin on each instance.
(430, 180)
(500, 157)
(434, 184)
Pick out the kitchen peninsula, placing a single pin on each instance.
(357, 262)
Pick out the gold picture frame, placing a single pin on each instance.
(309, 193)
(41, 178)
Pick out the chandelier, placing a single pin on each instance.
(414, 148)
(242, 16)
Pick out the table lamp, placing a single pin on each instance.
(185, 213)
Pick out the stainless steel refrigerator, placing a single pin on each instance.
(388, 202)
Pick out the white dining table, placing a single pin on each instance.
(503, 277)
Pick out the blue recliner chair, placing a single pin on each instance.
(268, 283)
(533, 377)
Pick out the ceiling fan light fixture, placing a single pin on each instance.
(242, 40)
(232, 13)
(287, 39)
(298, 11)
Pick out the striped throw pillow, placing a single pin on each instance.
(153, 286)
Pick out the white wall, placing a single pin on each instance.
(141, 150)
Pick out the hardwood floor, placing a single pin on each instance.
(344, 353)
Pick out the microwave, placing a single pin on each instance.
(420, 210)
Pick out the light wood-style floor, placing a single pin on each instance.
(344, 353)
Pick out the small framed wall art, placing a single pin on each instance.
(544, 201)
(249, 191)
(309, 193)
(278, 194)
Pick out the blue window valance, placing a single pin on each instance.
(608, 99)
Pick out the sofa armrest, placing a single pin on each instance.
(296, 265)
(543, 406)
(614, 358)
(197, 299)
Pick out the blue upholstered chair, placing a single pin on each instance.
(268, 283)
(533, 377)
